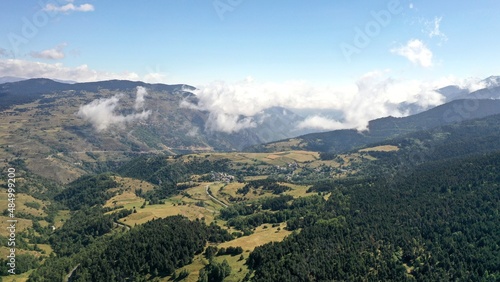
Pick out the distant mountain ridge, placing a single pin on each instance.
(6, 79)
(44, 124)
(384, 128)
(466, 138)
(29, 90)
(490, 89)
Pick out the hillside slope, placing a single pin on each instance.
(65, 130)
(384, 128)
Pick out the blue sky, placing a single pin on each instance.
(189, 41)
(334, 45)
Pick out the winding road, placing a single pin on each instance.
(213, 198)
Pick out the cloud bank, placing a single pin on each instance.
(233, 106)
(101, 112)
(29, 69)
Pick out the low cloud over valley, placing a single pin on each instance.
(102, 113)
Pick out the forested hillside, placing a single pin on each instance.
(440, 223)
(154, 249)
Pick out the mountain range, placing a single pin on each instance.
(87, 127)
(381, 129)
(102, 166)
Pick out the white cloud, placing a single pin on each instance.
(193, 132)
(51, 54)
(229, 123)
(375, 94)
(228, 102)
(415, 51)
(139, 100)
(70, 7)
(155, 77)
(101, 112)
(29, 69)
(435, 31)
(322, 123)
(473, 84)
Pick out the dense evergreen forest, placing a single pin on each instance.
(83, 228)
(154, 249)
(440, 223)
(87, 191)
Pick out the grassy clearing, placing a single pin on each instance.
(303, 156)
(284, 145)
(61, 218)
(186, 205)
(131, 184)
(280, 158)
(21, 207)
(198, 192)
(238, 267)
(194, 268)
(273, 157)
(384, 148)
(297, 190)
(150, 212)
(230, 190)
(257, 177)
(283, 158)
(127, 199)
(126, 192)
(17, 278)
(260, 237)
(47, 248)
(4, 251)
(21, 225)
